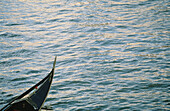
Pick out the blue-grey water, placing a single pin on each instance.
(113, 55)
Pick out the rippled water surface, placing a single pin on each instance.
(112, 54)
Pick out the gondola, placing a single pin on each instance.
(34, 98)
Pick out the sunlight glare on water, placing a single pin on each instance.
(112, 54)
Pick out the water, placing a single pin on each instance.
(112, 54)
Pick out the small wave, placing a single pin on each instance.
(9, 35)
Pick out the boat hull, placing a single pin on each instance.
(36, 96)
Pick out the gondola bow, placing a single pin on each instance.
(34, 98)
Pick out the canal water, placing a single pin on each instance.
(112, 55)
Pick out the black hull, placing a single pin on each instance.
(36, 99)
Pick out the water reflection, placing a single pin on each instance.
(112, 55)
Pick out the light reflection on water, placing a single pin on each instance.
(112, 55)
